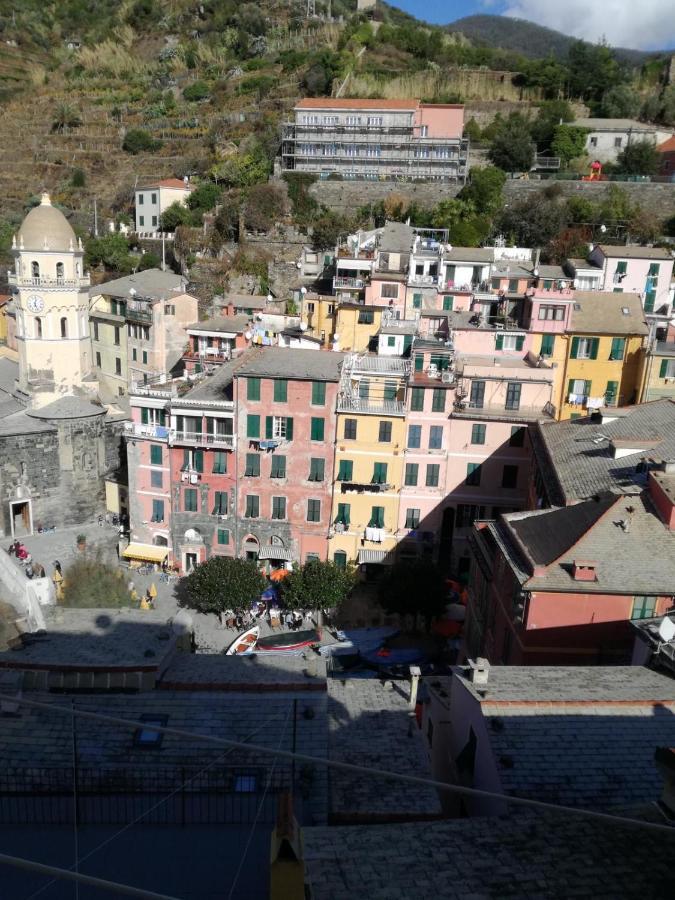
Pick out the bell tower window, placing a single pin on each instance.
(64, 327)
(38, 327)
(59, 270)
(35, 269)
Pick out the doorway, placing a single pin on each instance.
(191, 560)
(21, 518)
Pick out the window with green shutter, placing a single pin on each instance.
(618, 348)
(364, 389)
(223, 536)
(650, 301)
(313, 510)
(390, 390)
(379, 473)
(219, 462)
(473, 474)
(316, 469)
(643, 607)
(411, 473)
(317, 429)
(280, 390)
(340, 559)
(252, 426)
(417, 399)
(547, 345)
(253, 389)
(278, 507)
(190, 500)
(346, 470)
(343, 514)
(611, 393)
(438, 400)
(391, 340)
(621, 267)
(278, 469)
(417, 301)
(220, 504)
(499, 342)
(513, 390)
(145, 418)
(477, 394)
(447, 303)
(419, 362)
(198, 461)
(433, 473)
(667, 368)
(252, 465)
(384, 433)
(155, 454)
(478, 434)
(318, 393)
(376, 517)
(157, 510)
(350, 429)
(252, 506)
(654, 269)
(513, 285)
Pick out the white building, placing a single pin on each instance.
(153, 199)
(606, 138)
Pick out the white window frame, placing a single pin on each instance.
(389, 287)
(584, 349)
(510, 341)
(279, 428)
(374, 121)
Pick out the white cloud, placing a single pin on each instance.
(647, 25)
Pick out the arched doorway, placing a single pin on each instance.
(251, 547)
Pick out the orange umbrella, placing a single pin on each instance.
(278, 574)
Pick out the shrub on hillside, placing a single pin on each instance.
(137, 140)
(198, 90)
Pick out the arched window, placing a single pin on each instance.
(35, 269)
(38, 327)
(59, 270)
(64, 327)
(77, 269)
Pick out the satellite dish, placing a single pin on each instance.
(303, 326)
(132, 291)
(667, 629)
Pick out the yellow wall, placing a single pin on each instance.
(364, 452)
(323, 317)
(3, 322)
(655, 386)
(599, 371)
(557, 360)
(352, 334)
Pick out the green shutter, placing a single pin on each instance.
(318, 393)
(520, 341)
(570, 387)
(280, 390)
(653, 269)
(447, 303)
(611, 393)
(253, 426)
(199, 460)
(617, 350)
(155, 455)
(417, 301)
(144, 416)
(419, 362)
(663, 370)
(253, 389)
(587, 388)
(289, 429)
(575, 348)
(499, 342)
(595, 343)
(269, 424)
(547, 344)
(650, 300)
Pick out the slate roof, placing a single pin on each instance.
(574, 467)
(227, 324)
(294, 363)
(246, 301)
(471, 254)
(396, 237)
(634, 251)
(369, 725)
(22, 423)
(216, 386)
(548, 534)
(601, 312)
(259, 672)
(333, 103)
(597, 124)
(68, 407)
(519, 857)
(151, 283)
(638, 561)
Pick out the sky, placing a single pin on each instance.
(648, 25)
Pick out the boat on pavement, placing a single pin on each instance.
(245, 642)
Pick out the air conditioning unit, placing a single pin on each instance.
(194, 478)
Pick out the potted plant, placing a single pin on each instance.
(81, 541)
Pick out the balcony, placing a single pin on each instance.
(423, 280)
(343, 281)
(200, 439)
(156, 432)
(209, 354)
(47, 282)
(371, 407)
(135, 314)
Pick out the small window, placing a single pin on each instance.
(317, 468)
(118, 366)
(366, 317)
(146, 736)
(280, 390)
(245, 784)
(384, 435)
(317, 429)
(433, 472)
(38, 327)
(156, 479)
(643, 607)
(318, 393)
(389, 290)
(350, 429)
(340, 559)
(417, 399)
(436, 437)
(252, 426)
(517, 438)
(313, 510)
(223, 536)
(412, 518)
(153, 198)
(478, 434)
(411, 474)
(391, 341)
(59, 270)
(252, 507)
(98, 359)
(253, 389)
(252, 465)
(190, 500)
(141, 221)
(278, 469)
(141, 199)
(513, 390)
(278, 507)
(473, 474)
(144, 357)
(438, 400)
(414, 437)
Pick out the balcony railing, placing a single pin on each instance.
(47, 282)
(371, 407)
(427, 280)
(343, 281)
(156, 432)
(138, 315)
(216, 354)
(224, 441)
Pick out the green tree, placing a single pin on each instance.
(317, 585)
(326, 230)
(551, 114)
(149, 261)
(110, 251)
(265, 206)
(411, 588)
(485, 189)
(472, 130)
(638, 158)
(204, 197)
(198, 90)
(593, 70)
(620, 102)
(512, 148)
(244, 169)
(534, 221)
(221, 583)
(66, 117)
(78, 179)
(173, 216)
(569, 142)
(137, 140)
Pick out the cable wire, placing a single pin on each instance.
(579, 812)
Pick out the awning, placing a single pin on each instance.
(148, 552)
(379, 557)
(271, 551)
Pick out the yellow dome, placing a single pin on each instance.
(46, 228)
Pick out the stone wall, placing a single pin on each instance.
(343, 196)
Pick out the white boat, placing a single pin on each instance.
(244, 643)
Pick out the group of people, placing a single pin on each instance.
(20, 551)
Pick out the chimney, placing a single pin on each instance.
(584, 570)
(480, 671)
(415, 673)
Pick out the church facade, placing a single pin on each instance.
(57, 440)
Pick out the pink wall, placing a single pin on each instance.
(563, 299)
(636, 275)
(373, 296)
(483, 342)
(442, 120)
(663, 503)
(549, 610)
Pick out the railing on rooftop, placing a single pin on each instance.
(156, 432)
(351, 403)
(342, 281)
(136, 314)
(226, 441)
(47, 282)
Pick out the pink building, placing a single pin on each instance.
(647, 271)
(215, 341)
(286, 408)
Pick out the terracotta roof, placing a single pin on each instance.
(667, 146)
(177, 183)
(599, 312)
(332, 103)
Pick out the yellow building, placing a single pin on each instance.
(317, 313)
(603, 353)
(356, 326)
(659, 379)
(368, 460)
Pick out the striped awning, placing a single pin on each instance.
(271, 551)
(378, 557)
(147, 552)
